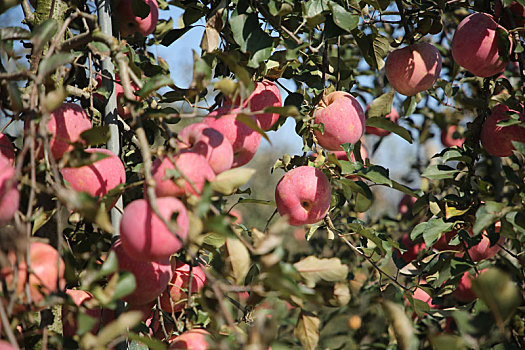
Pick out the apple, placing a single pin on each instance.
(5, 345)
(195, 339)
(65, 125)
(497, 140)
(237, 215)
(98, 178)
(303, 195)
(46, 276)
(475, 45)
(193, 165)
(202, 139)
(265, 94)
(179, 284)
(122, 110)
(7, 149)
(483, 250)
(405, 205)
(450, 137)
(517, 12)
(9, 195)
(341, 155)
(343, 120)
(393, 116)
(420, 294)
(143, 234)
(129, 24)
(244, 140)
(413, 68)
(151, 277)
(412, 249)
(443, 243)
(463, 291)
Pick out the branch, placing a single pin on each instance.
(408, 32)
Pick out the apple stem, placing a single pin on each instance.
(408, 33)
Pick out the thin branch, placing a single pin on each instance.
(408, 32)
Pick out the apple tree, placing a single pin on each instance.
(135, 213)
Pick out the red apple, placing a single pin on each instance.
(517, 12)
(122, 110)
(5, 345)
(47, 272)
(179, 284)
(420, 294)
(412, 249)
(265, 94)
(9, 195)
(98, 178)
(238, 216)
(393, 116)
(475, 45)
(7, 149)
(194, 166)
(443, 243)
(65, 126)
(405, 205)
(69, 319)
(244, 140)
(303, 194)
(151, 277)
(450, 137)
(463, 291)
(211, 144)
(497, 140)
(130, 24)
(343, 120)
(194, 339)
(413, 68)
(341, 155)
(143, 234)
(483, 250)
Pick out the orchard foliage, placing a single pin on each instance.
(445, 272)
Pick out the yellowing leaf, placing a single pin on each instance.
(228, 181)
(239, 258)
(313, 270)
(307, 330)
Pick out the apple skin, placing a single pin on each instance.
(145, 237)
(413, 68)
(413, 249)
(447, 137)
(497, 140)
(265, 94)
(238, 216)
(5, 345)
(65, 125)
(98, 178)
(194, 339)
(341, 155)
(211, 144)
(420, 294)
(475, 45)
(518, 14)
(151, 277)
(7, 149)
(9, 195)
(130, 24)
(303, 194)
(179, 281)
(463, 291)
(122, 110)
(443, 242)
(193, 165)
(393, 116)
(343, 120)
(405, 205)
(46, 274)
(244, 140)
(483, 250)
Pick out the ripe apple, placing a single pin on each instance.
(412, 249)
(5, 345)
(130, 24)
(211, 144)
(343, 120)
(179, 284)
(47, 272)
(194, 339)
(483, 250)
(143, 234)
(517, 12)
(7, 149)
(122, 110)
(341, 155)
(420, 294)
(238, 216)
(475, 45)
(265, 94)
(244, 140)
(463, 291)
(393, 116)
(413, 68)
(450, 137)
(98, 178)
(443, 243)
(497, 140)
(9, 195)
(65, 126)
(193, 165)
(303, 194)
(405, 205)
(151, 277)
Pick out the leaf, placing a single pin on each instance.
(240, 72)
(401, 324)
(56, 60)
(229, 181)
(109, 266)
(519, 146)
(257, 201)
(249, 121)
(43, 33)
(153, 84)
(251, 38)
(97, 135)
(313, 270)
(433, 230)
(171, 36)
(381, 106)
(149, 343)
(113, 330)
(387, 124)
(239, 257)
(286, 111)
(227, 86)
(140, 8)
(487, 214)
(344, 19)
(307, 330)
(14, 33)
(210, 39)
(125, 286)
(377, 174)
(439, 172)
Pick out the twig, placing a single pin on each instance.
(8, 330)
(408, 32)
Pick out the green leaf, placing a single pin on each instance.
(85, 323)
(249, 121)
(433, 229)
(247, 32)
(149, 343)
(487, 214)
(313, 270)
(43, 33)
(344, 19)
(307, 330)
(230, 180)
(240, 72)
(439, 172)
(381, 106)
(519, 146)
(377, 174)
(153, 84)
(174, 34)
(125, 286)
(387, 124)
(286, 111)
(56, 60)
(97, 135)
(109, 266)
(140, 8)
(409, 105)
(403, 329)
